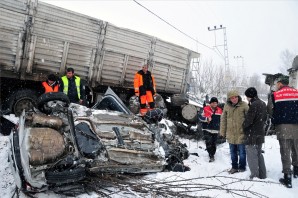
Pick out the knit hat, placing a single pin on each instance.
(52, 77)
(283, 79)
(233, 93)
(251, 92)
(213, 99)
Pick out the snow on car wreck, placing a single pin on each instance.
(62, 143)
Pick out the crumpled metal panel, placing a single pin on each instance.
(138, 168)
(124, 156)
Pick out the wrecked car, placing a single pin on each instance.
(63, 143)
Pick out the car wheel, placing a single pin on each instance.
(66, 176)
(22, 99)
(54, 97)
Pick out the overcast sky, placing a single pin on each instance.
(258, 31)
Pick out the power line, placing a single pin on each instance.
(174, 26)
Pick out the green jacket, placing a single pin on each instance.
(231, 121)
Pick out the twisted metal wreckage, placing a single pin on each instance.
(60, 144)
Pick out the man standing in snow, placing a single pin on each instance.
(210, 119)
(285, 119)
(255, 133)
(231, 127)
(144, 85)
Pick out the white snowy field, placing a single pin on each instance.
(202, 173)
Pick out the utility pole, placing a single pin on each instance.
(195, 72)
(225, 54)
(225, 44)
(240, 74)
(240, 68)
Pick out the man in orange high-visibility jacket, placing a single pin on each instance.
(144, 85)
(51, 85)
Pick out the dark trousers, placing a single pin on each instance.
(289, 154)
(256, 161)
(235, 150)
(210, 140)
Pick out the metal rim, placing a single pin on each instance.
(23, 103)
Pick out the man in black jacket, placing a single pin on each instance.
(254, 131)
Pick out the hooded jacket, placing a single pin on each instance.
(232, 120)
(254, 122)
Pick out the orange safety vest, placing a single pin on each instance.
(138, 82)
(49, 88)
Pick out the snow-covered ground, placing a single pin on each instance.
(202, 173)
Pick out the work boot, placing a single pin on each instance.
(211, 159)
(233, 170)
(295, 171)
(287, 180)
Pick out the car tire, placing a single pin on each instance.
(21, 99)
(51, 96)
(67, 176)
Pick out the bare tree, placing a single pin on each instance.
(287, 58)
(211, 79)
(215, 80)
(256, 81)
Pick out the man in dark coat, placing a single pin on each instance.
(254, 131)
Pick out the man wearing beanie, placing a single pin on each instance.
(210, 119)
(285, 119)
(51, 85)
(231, 121)
(254, 131)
